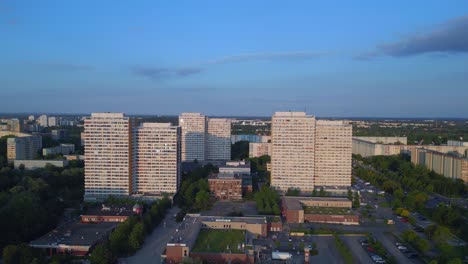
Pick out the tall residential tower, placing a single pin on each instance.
(108, 149)
(156, 159)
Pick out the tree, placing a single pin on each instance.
(137, 236)
(356, 201)
(423, 245)
(101, 255)
(350, 195)
(202, 199)
(322, 192)
(17, 254)
(293, 192)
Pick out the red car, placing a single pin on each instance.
(404, 220)
(370, 249)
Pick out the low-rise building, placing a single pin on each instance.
(226, 186)
(37, 164)
(64, 149)
(447, 165)
(75, 239)
(59, 134)
(259, 149)
(110, 213)
(183, 242)
(330, 210)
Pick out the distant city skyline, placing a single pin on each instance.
(333, 59)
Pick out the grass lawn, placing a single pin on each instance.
(215, 241)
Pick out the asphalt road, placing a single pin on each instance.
(156, 242)
(359, 254)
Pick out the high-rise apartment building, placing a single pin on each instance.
(193, 127)
(23, 147)
(218, 139)
(333, 153)
(43, 121)
(156, 159)
(12, 125)
(306, 153)
(108, 158)
(293, 143)
(52, 121)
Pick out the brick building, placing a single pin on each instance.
(331, 210)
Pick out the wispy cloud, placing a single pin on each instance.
(449, 37)
(158, 73)
(269, 56)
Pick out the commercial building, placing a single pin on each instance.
(75, 239)
(59, 134)
(12, 125)
(23, 146)
(193, 127)
(110, 213)
(333, 151)
(156, 159)
(226, 186)
(108, 148)
(293, 151)
(259, 149)
(330, 210)
(183, 242)
(64, 149)
(447, 165)
(218, 139)
(238, 167)
(37, 164)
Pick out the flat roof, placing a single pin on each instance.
(187, 232)
(295, 202)
(110, 210)
(225, 176)
(74, 234)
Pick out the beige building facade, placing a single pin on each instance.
(156, 159)
(306, 152)
(218, 139)
(193, 127)
(293, 151)
(108, 157)
(441, 163)
(259, 149)
(333, 153)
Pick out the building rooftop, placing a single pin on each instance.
(327, 210)
(74, 234)
(238, 164)
(111, 210)
(295, 202)
(188, 230)
(225, 176)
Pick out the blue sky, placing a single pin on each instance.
(332, 58)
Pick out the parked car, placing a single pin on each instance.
(290, 239)
(404, 220)
(402, 248)
(411, 255)
(398, 244)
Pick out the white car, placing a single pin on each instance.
(402, 248)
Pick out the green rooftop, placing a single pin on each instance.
(327, 210)
(218, 241)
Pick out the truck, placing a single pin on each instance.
(281, 255)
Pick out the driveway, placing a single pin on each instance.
(156, 242)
